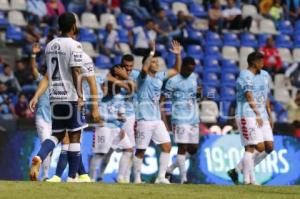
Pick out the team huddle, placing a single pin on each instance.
(125, 110)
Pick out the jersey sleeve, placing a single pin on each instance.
(162, 76)
(169, 88)
(76, 59)
(247, 83)
(88, 68)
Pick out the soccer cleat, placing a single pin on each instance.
(72, 179)
(254, 183)
(162, 181)
(122, 181)
(84, 178)
(168, 176)
(234, 176)
(35, 168)
(55, 178)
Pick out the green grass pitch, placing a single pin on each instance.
(42, 190)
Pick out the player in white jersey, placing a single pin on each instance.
(149, 123)
(64, 61)
(253, 117)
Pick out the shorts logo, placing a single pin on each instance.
(244, 129)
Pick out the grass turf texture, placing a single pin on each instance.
(43, 190)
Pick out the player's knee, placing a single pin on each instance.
(260, 147)
(74, 137)
(166, 147)
(59, 136)
(269, 148)
(129, 150)
(181, 149)
(139, 153)
(192, 149)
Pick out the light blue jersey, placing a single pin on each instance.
(148, 95)
(100, 79)
(259, 86)
(130, 100)
(111, 108)
(182, 93)
(43, 110)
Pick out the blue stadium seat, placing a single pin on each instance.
(198, 10)
(125, 21)
(14, 34)
(285, 27)
(229, 66)
(212, 52)
(103, 62)
(297, 27)
(231, 39)
(283, 41)
(248, 40)
(117, 60)
(211, 92)
(195, 51)
(227, 93)
(210, 79)
(3, 21)
(224, 111)
(228, 79)
(262, 39)
(195, 35)
(171, 59)
(164, 5)
(199, 69)
(123, 36)
(297, 40)
(211, 65)
(213, 39)
(87, 35)
(162, 50)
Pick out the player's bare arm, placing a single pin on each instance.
(34, 51)
(124, 81)
(43, 85)
(252, 103)
(94, 97)
(146, 65)
(269, 111)
(176, 49)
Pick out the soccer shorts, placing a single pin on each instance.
(66, 116)
(44, 129)
(251, 134)
(151, 130)
(186, 133)
(128, 128)
(106, 138)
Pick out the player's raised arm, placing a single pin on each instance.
(43, 85)
(34, 51)
(146, 65)
(124, 81)
(176, 49)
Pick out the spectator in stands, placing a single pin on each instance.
(264, 7)
(31, 35)
(291, 9)
(77, 6)
(276, 11)
(110, 45)
(215, 16)
(7, 110)
(143, 37)
(54, 9)
(293, 108)
(164, 28)
(114, 6)
(37, 11)
(8, 78)
(272, 59)
(133, 7)
(23, 75)
(293, 74)
(22, 107)
(234, 19)
(98, 7)
(152, 6)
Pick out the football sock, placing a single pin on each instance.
(123, 164)
(96, 162)
(175, 164)
(73, 159)
(81, 169)
(63, 160)
(128, 171)
(137, 167)
(46, 165)
(163, 164)
(248, 167)
(181, 163)
(47, 146)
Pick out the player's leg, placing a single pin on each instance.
(82, 174)
(104, 164)
(143, 138)
(74, 154)
(161, 137)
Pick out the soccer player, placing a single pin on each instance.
(64, 61)
(43, 116)
(182, 91)
(149, 123)
(253, 117)
(110, 135)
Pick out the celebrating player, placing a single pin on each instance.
(64, 61)
(253, 116)
(149, 123)
(182, 90)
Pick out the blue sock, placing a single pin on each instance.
(62, 163)
(47, 146)
(81, 169)
(74, 159)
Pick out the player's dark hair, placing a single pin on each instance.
(148, 21)
(112, 70)
(188, 61)
(66, 21)
(127, 57)
(253, 57)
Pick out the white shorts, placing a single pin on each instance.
(186, 133)
(251, 134)
(44, 129)
(106, 138)
(128, 127)
(151, 130)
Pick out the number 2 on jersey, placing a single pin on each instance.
(55, 75)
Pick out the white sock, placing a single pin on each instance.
(175, 164)
(260, 157)
(137, 168)
(129, 168)
(123, 165)
(104, 163)
(96, 162)
(181, 163)
(239, 167)
(248, 167)
(163, 164)
(46, 166)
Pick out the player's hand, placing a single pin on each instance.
(80, 103)
(176, 47)
(36, 48)
(259, 121)
(32, 103)
(121, 72)
(96, 116)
